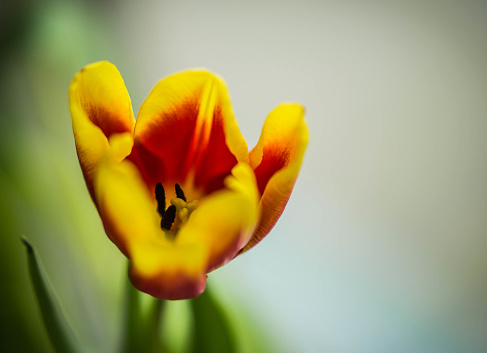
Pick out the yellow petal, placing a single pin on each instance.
(172, 269)
(168, 271)
(225, 220)
(126, 206)
(186, 130)
(128, 212)
(99, 106)
(276, 160)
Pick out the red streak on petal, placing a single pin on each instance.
(107, 121)
(215, 161)
(176, 147)
(274, 158)
(163, 152)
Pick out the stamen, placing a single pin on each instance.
(179, 192)
(161, 199)
(177, 213)
(168, 218)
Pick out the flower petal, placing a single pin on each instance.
(128, 212)
(225, 220)
(100, 106)
(172, 269)
(126, 206)
(167, 271)
(276, 160)
(186, 131)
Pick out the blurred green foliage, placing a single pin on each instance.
(43, 196)
(42, 45)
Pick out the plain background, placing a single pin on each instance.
(383, 245)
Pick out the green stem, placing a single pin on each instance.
(133, 315)
(212, 331)
(153, 328)
(141, 332)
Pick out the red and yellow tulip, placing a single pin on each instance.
(185, 150)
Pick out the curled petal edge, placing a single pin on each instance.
(100, 106)
(276, 160)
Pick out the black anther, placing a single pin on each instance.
(180, 193)
(168, 218)
(161, 199)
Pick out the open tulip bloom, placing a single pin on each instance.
(178, 192)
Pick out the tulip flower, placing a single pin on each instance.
(178, 191)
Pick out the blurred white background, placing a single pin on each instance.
(383, 245)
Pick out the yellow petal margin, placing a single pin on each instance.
(126, 206)
(164, 268)
(100, 106)
(225, 220)
(276, 160)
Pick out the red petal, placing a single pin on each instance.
(186, 132)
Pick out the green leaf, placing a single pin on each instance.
(211, 331)
(57, 327)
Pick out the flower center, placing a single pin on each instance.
(177, 214)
